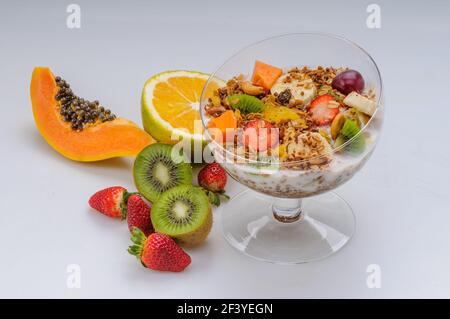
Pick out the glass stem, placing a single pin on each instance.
(287, 210)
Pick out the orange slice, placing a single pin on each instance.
(171, 105)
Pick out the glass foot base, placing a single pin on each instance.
(326, 224)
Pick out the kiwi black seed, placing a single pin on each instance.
(183, 213)
(157, 170)
(72, 107)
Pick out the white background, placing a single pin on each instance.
(401, 197)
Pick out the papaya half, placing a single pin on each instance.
(96, 140)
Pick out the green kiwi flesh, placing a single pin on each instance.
(349, 130)
(157, 170)
(184, 214)
(246, 103)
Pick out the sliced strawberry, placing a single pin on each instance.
(259, 135)
(321, 112)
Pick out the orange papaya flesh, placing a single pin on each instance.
(99, 141)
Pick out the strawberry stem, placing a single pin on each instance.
(138, 238)
(214, 197)
(124, 203)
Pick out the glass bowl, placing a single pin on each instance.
(289, 214)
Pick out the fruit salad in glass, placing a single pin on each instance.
(297, 116)
(303, 127)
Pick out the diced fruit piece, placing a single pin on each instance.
(223, 127)
(110, 201)
(259, 135)
(280, 151)
(138, 214)
(340, 140)
(94, 135)
(361, 103)
(355, 147)
(246, 103)
(324, 132)
(363, 119)
(337, 124)
(302, 91)
(277, 114)
(184, 214)
(158, 252)
(348, 81)
(323, 109)
(265, 75)
(350, 130)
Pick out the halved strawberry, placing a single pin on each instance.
(322, 113)
(259, 135)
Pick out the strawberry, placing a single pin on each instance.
(158, 251)
(321, 112)
(213, 179)
(138, 214)
(259, 135)
(110, 201)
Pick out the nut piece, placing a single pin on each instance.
(216, 110)
(251, 89)
(336, 125)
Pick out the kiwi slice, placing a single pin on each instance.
(157, 170)
(349, 130)
(246, 103)
(184, 214)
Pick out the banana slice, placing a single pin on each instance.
(303, 90)
(312, 147)
(361, 103)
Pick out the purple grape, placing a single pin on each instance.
(348, 81)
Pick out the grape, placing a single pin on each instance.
(348, 81)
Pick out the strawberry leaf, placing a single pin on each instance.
(223, 194)
(213, 198)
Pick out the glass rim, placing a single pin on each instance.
(213, 76)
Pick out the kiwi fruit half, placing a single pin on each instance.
(157, 170)
(184, 214)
